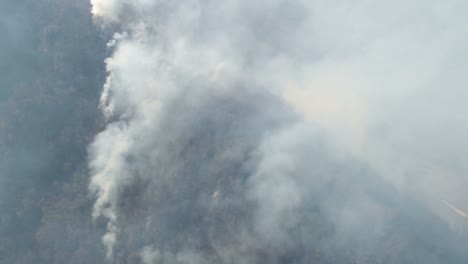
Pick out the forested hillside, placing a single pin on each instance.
(52, 71)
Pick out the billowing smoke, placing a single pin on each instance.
(282, 131)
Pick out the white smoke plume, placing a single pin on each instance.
(231, 123)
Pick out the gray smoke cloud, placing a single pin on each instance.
(282, 131)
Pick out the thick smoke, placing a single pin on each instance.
(282, 131)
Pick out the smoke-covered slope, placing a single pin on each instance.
(232, 132)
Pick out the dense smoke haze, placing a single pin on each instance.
(233, 132)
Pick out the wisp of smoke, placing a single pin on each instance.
(303, 131)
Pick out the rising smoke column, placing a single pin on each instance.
(245, 119)
(164, 71)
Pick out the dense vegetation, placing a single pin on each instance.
(51, 60)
